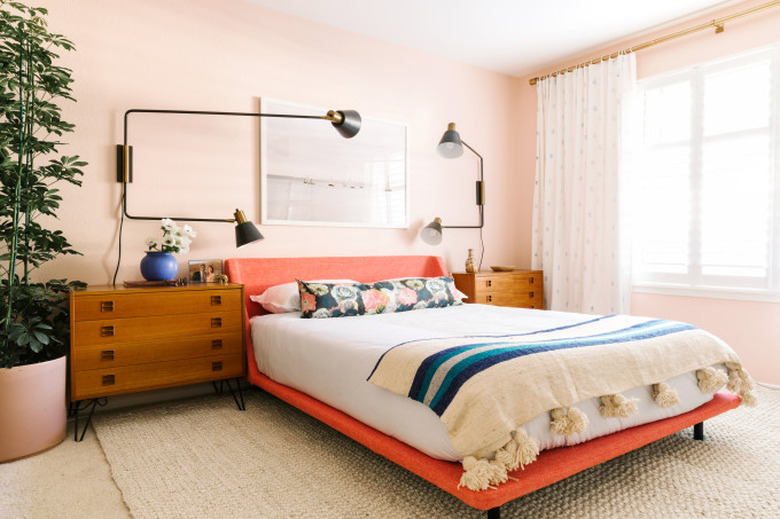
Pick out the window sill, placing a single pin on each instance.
(741, 294)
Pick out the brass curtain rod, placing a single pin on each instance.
(717, 23)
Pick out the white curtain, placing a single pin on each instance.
(577, 212)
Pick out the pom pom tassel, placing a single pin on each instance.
(527, 448)
(567, 421)
(477, 473)
(518, 452)
(664, 396)
(740, 383)
(480, 474)
(618, 406)
(711, 379)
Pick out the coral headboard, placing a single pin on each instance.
(257, 274)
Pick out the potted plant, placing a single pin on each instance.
(34, 324)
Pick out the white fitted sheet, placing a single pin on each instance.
(330, 359)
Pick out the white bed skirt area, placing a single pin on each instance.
(330, 360)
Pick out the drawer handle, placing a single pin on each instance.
(106, 306)
(216, 300)
(216, 366)
(107, 355)
(489, 299)
(489, 283)
(216, 344)
(108, 380)
(107, 331)
(216, 322)
(531, 280)
(531, 295)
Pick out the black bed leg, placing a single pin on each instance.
(494, 513)
(698, 431)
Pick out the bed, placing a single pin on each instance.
(550, 466)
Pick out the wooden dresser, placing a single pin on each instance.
(125, 340)
(519, 288)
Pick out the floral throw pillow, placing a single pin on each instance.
(334, 299)
(416, 293)
(320, 300)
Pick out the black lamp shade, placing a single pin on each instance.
(431, 233)
(450, 146)
(349, 124)
(246, 232)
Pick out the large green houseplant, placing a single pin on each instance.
(34, 324)
(34, 319)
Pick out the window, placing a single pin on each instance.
(706, 191)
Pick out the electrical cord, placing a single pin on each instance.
(119, 244)
(482, 249)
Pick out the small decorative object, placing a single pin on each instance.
(161, 265)
(471, 265)
(205, 271)
(502, 268)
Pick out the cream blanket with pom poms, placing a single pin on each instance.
(485, 388)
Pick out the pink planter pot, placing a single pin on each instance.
(32, 408)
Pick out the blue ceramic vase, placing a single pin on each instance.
(159, 266)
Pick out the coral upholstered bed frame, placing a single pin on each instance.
(257, 274)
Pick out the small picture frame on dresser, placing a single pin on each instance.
(205, 271)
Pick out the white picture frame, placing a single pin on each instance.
(311, 175)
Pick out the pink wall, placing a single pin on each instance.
(752, 328)
(225, 55)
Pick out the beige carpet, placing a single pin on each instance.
(203, 458)
(69, 481)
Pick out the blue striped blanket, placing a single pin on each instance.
(485, 387)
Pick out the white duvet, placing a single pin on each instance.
(330, 359)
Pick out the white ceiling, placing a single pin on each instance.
(514, 37)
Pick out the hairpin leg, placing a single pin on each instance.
(240, 399)
(76, 408)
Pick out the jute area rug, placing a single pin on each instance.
(203, 458)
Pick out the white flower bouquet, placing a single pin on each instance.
(174, 238)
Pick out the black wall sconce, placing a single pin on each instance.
(451, 147)
(346, 122)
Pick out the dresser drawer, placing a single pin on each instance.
(142, 377)
(98, 356)
(528, 300)
(518, 288)
(113, 331)
(495, 284)
(112, 305)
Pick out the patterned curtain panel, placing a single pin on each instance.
(577, 225)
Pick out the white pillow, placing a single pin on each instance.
(280, 299)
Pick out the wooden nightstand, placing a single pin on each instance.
(519, 288)
(125, 340)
